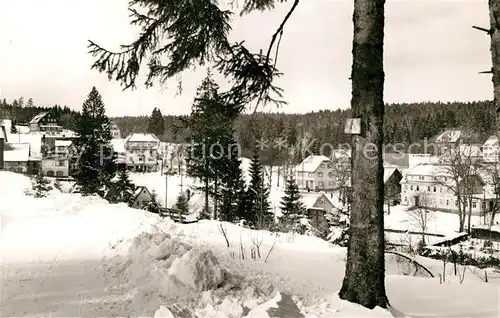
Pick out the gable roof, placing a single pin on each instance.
(37, 118)
(138, 191)
(492, 141)
(310, 199)
(19, 152)
(311, 163)
(142, 137)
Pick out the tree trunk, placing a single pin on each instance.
(469, 215)
(388, 206)
(364, 281)
(207, 189)
(216, 201)
(494, 7)
(461, 218)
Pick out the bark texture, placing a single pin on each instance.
(364, 281)
(494, 6)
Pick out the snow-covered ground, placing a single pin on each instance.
(71, 256)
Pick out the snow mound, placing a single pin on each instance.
(198, 269)
(164, 277)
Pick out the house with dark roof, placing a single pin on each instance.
(3, 141)
(44, 122)
(141, 197)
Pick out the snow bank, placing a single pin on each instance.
(164, 276)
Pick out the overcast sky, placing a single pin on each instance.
(431, 53)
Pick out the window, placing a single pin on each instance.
(429, 188)
(320, 184)
(474, 204)
(420, 177)
(411, 187)
(331, 183)
(330, 174)
(456, 203)
(418, 188)
(441, 190)
(309, 174)
(434, 189)
(447, 202)
(406, 199)
(483, 205)
(329, 165)
(320, 174)
(406, 187)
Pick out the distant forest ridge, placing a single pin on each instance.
(405, 123)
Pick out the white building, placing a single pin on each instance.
(142, 152)
(322, 173)
(58, 162)
(431, 186)
(115, 130)
(491, 149)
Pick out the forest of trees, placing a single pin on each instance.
(404, 123)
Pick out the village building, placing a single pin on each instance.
(317, 206)
(431, 186)
(45, 122)
(3, 141)
(491, 149)
(142, 196)
(115, 130)
(142, 152)
(320, 173)
(17, 158)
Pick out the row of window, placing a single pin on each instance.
(442, 202)
(429, 188)
(331, 174)
(422, 178)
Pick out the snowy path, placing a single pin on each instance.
(61, 288)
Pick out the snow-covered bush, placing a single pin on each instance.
(338, 233)
(40, 187)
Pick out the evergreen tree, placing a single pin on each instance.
(13, 129)
(95, 166)
(30, 103)
(202, 127)
(40, 186)
(232, 185)
(122, 189)
(292, 207)
(156, 124)
(182, 204)
(258, 208)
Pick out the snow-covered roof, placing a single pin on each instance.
(63, 143)
(311, 163)
(492, 141)
(427, 170)
(19, 152)
(37, 118)
(450, 135)
(310, 199)
(118, 144)
(142, 137)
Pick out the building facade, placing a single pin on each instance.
(45, 122)
(431, 186)
(320, 173)
(491, 149)
(141, 151)
(115, 130)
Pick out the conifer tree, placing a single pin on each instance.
(232, 185)
(202, 125)
(40, 186)
(156, 123)
(258, 208)
(122, 189)
(292, 207)
(95, 166)
(13, 129)
(182, 204)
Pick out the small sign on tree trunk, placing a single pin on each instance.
(353, 126)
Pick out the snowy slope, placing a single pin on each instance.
(149, 264)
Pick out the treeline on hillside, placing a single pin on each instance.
(404, 123)
(21, 112)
